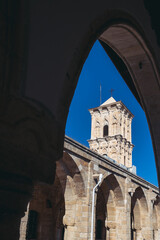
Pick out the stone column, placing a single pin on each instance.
(156, 234)
(110, 230)
(69, 233)
(128, 200)
(134, 235)
(69, 223)
(15, 192)
(139, 234)
(107, 233)
(107, 230)
(23, 226)
(112, 234)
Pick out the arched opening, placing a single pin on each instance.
(51, 213)
(45, 213)
(108, 205)
(128, 63)
(73, 190)
(105, 130)
(139, 215)
(148, 91)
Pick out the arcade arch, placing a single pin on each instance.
(16, 64)
(55, 205)
(139, 215)
(108, 208)
(123, 41)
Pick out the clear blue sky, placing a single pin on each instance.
(97, 69)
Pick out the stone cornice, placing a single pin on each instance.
(110, 105)
(108, 138)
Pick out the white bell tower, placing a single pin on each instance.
(111, 131)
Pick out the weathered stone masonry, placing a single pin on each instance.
(111, 131)
(127, 206)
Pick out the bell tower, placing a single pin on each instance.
(111, 131)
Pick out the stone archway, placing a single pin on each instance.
(63, 62)
(135, 62)
(73, 191)
(139, 216)
(55, 205)
(108, 207)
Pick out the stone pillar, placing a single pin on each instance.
(134, 235)
(107, 233)
(69, 233)
(107, 230)
(156, 234)
(112, 234)
(129, 195)
(139, 234)
(15, 192)
(110, 230)
(23, 226)
(69, 223)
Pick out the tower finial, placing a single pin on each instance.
(111, 91)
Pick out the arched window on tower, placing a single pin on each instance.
(105, 130)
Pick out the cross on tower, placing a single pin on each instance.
(111, 91)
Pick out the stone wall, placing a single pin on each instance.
(126, 206)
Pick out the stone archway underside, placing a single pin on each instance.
(138, 68)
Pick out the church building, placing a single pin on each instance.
(96, 194)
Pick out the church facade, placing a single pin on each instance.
(123, 206)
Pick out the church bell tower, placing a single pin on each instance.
(111, 131)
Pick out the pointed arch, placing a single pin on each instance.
(67, 168)
(112, 183)
(109, 202)
(105, 128)
(139, 212)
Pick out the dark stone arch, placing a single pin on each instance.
(64, 89)
(125, 66)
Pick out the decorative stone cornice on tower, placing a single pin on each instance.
(111, 131)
